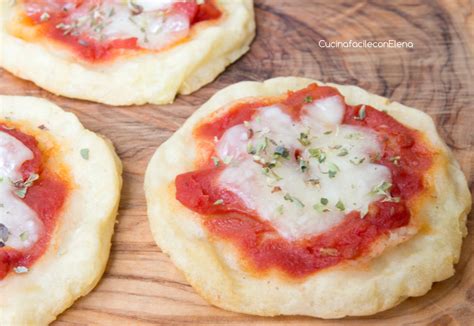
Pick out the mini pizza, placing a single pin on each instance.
(59, 192)
(292, 197)
(123, 52)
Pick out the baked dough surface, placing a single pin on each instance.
(145, 78)
(77, 254)
(354, 289)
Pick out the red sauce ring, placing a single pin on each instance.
(45, 197)
(351, 239)
(93, 50)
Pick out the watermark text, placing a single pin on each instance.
(388, 44)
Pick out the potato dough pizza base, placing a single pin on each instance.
(77, 254)
(212, 267)
(138, 79)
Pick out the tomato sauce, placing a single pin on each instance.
(46, 197)
(259, 243)
(93, 50)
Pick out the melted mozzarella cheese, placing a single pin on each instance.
(152, 25)
(21, 221)
(335, 160)
(326, 111)
(152, 5)
(48, 6)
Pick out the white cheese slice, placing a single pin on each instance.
(21, 221)
(288, 197)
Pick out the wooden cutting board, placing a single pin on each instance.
(142, 287)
